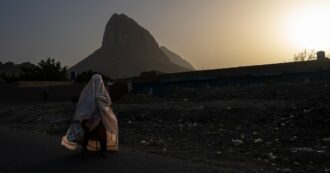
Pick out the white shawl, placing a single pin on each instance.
(94, 102)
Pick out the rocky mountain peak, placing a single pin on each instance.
(127, 50)
(124, 31)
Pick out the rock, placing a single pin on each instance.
(127, 50)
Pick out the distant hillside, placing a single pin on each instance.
(127, 50)
(176, 58)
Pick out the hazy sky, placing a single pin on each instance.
(207, 33)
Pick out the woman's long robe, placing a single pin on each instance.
(94, 103)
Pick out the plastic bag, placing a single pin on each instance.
(76, 132)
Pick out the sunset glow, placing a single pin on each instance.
(209, 34)
(309, 28)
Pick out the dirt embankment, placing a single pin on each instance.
(256, 128)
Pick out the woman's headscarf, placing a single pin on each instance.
(95, 102)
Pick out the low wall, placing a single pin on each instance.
(38, 84)
(40, 94)
(164, 87)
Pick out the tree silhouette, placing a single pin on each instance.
(46, 70)
(305, 55)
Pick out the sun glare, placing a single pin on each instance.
(309, 28)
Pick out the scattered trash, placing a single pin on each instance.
(237, 141)
(272, 156)
(306, 149)
(296, 163)
(258, 140)
(286, 170)
(326, 139)
(143, 142)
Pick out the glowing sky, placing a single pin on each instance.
(208, 33)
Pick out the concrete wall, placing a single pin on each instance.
(163, 87)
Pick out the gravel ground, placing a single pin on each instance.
(256, 128)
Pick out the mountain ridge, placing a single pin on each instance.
(177, 59)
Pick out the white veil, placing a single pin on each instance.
(95, 101)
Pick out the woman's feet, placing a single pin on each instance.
(103, 151)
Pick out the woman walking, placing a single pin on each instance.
(94, 126)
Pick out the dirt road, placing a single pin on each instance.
(25, 152)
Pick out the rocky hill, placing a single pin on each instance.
(175, 58)
(127, 50)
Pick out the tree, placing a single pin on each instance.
(46, 70)
(50, 70)
(305, 55)
(311, 55)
